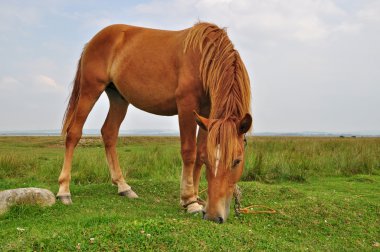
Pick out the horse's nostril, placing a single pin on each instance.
(218, 220)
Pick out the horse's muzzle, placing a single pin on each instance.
(218, 219)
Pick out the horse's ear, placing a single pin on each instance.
(201, 121)
(245, 124)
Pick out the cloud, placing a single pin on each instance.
(47, 82)
(298, 20)
(370, 12)
(8, 83)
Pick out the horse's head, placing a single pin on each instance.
(225, 162)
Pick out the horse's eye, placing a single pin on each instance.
(236, 162)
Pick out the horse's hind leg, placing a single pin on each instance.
(110, 130)
(89, 95)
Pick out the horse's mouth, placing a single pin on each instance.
(222, 216)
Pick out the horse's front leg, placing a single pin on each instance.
(187, 126)
(200, 160)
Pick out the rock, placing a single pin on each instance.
(30, 196)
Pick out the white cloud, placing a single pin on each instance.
(46, 81)
(294, 20)
(8, 83)
(370, 12)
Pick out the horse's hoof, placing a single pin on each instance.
(194, 208)
(129, 193)
(66, 199)
(201, 202)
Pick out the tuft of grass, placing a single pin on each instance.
(276, 159)
(15, 165)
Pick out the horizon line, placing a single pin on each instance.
(170, 132)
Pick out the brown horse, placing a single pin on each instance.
(195, 73)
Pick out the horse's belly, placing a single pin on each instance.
(159, 101)
(163, 107)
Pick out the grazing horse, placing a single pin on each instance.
(195, 73)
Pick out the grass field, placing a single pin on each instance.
(326, 192)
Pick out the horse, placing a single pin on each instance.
(195, 73)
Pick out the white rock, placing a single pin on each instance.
(31, 196)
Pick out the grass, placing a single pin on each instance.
(326, 192)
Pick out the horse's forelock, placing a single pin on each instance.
(223, 135)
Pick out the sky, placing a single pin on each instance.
(313, 64)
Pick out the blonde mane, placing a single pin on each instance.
(226, 80)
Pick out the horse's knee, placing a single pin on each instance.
(109, 136)
(105, 136)
(188, 156)
(72, 138)
(201, 155)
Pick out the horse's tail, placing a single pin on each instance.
(73, 101)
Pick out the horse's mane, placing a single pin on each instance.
(226, 81)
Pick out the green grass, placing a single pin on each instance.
(326, 192)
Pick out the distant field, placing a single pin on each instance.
(326, 191)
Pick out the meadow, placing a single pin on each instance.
(326, 192)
